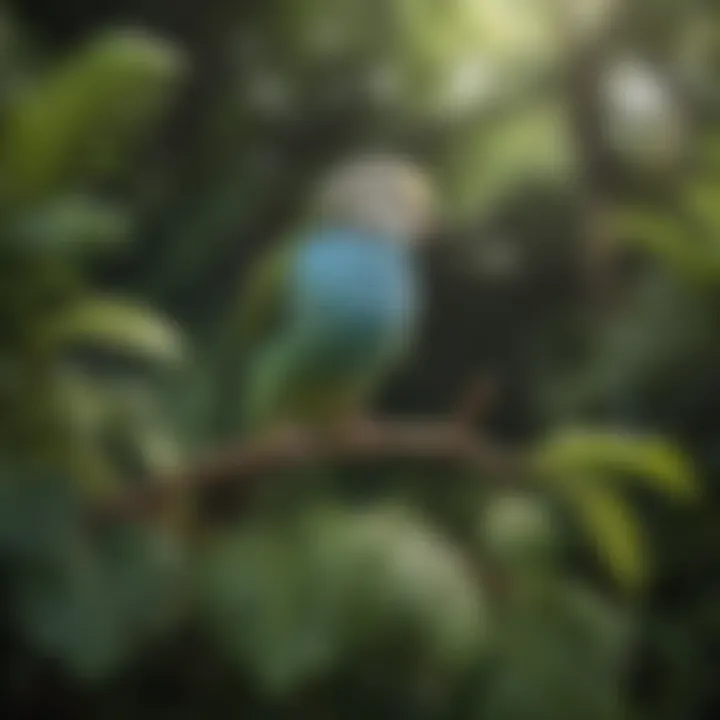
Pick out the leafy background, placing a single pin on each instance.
(150, 149)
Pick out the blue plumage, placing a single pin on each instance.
(352, 297)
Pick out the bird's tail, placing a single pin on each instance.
(264, 390)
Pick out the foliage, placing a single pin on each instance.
(139, 176)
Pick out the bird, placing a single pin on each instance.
(330, 312)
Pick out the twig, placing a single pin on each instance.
(476, 402)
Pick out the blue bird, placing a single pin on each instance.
(331, 313)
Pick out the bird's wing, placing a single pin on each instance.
(260, 302)
(262, 297)
(250, 320)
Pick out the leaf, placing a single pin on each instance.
(101, 600)
(560, 656)
(418, 580)
(120, 325)
(613, 528)
(675, 243)
(38, 515)
(159, 450)
(75, 223)
(580, 465)
(251, 598)
(519, 530)
(289, 604)
(81, 120)
(656, 233)
(709, 151)
(702, 201)
(646, 459)
(482, 170)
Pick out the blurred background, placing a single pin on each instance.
(150, 150)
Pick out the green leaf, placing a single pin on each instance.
(75, 223)
(120, 325)
(702, 200)
(666, 238)
(613, 528)
(482, 170)
(252, 598)
(415, 579)
(519, 531)
(560, 656)
(709, 151)
(101, 599)
(83, 118)
(38, 515)
(290, 603)
(646, 459)
(580, 466)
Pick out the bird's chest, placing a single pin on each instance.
(354, 295)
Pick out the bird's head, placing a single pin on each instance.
(385, 195)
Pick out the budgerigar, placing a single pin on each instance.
(335, 310)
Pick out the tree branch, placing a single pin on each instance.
(586, 60)
(240, 468)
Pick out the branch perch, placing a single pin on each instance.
(239, 468)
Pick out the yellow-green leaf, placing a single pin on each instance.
(80, 120)
(646, 459)
(664, 238)
(710, 150)
(122, 325)
(612, 527)
(702, 200)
